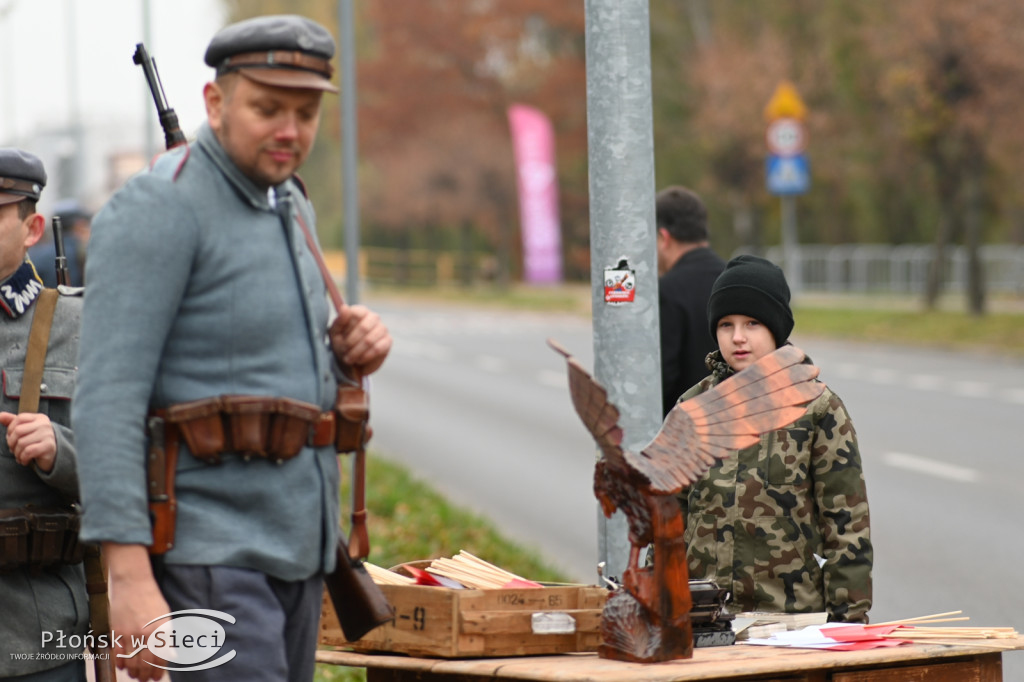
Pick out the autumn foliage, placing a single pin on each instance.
(912, 116)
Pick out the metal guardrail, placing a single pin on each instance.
(883, 268)
(417, 267)
(843, 268)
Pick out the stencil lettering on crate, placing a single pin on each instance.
(418, 618)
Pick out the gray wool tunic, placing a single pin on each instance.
(198, 288)
(52, 601)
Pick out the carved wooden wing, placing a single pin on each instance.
(591, 402)
(768, 395)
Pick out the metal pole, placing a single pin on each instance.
(150, 135)
(791, 245)
(75, 128)
(620, 138)
(349, 173)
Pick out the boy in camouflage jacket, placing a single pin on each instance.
(783, 524)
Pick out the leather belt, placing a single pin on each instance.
(252, 426)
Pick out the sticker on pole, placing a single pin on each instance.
(619, 284)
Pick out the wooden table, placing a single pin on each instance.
(967, 662)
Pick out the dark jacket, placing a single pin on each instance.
(683, 295)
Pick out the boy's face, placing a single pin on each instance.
(743, 340)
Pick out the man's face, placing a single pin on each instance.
(267, 131)
(743, 340)
(15, 238)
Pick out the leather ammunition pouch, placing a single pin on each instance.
(353, 412)
(253, 426)
(39, 538)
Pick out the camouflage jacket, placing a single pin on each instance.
(784, 524)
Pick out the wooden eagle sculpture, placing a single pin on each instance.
(647, 619)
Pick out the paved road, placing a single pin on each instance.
(476, 404)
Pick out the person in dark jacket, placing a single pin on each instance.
(687, 267)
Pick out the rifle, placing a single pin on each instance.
(173, 136)
(358, 601)
(61, 264)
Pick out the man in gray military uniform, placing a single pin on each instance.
(206, 308)
(39, 595)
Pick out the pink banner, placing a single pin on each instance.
(533, 142)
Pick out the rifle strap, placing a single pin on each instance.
(359, 546)
(35, 355)
(332, 288)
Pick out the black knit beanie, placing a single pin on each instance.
(756, 288)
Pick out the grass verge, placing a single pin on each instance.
(408, 520)
(992, 333)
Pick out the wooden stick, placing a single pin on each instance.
(383, 576)
(929, 622)
(953, 642)
(918, 618)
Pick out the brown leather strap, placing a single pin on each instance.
(35, 356)
(332, 288)
(359, 542)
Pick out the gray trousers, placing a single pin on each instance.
(69, 672)
(276, 624)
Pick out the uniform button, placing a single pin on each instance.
(43, 388)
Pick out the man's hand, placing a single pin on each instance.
(30, 437)
(359, 339)
(135, 600)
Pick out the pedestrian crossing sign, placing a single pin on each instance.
(788, 174)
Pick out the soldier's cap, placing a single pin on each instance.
(22, 176)
(285, 50)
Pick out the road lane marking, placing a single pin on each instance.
(1014, 395)
(972, 389)
(886, 377)
(926, 382)
(931, 467)
(420, 349)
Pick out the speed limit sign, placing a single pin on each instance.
(786, 137)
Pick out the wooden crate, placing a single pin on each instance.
(446, 623)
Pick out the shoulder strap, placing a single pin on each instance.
(35, 355)
(332, 288)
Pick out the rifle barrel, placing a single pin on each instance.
(61, 261)
(168, 119)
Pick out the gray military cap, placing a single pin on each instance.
(22, 176)
(285, 50)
